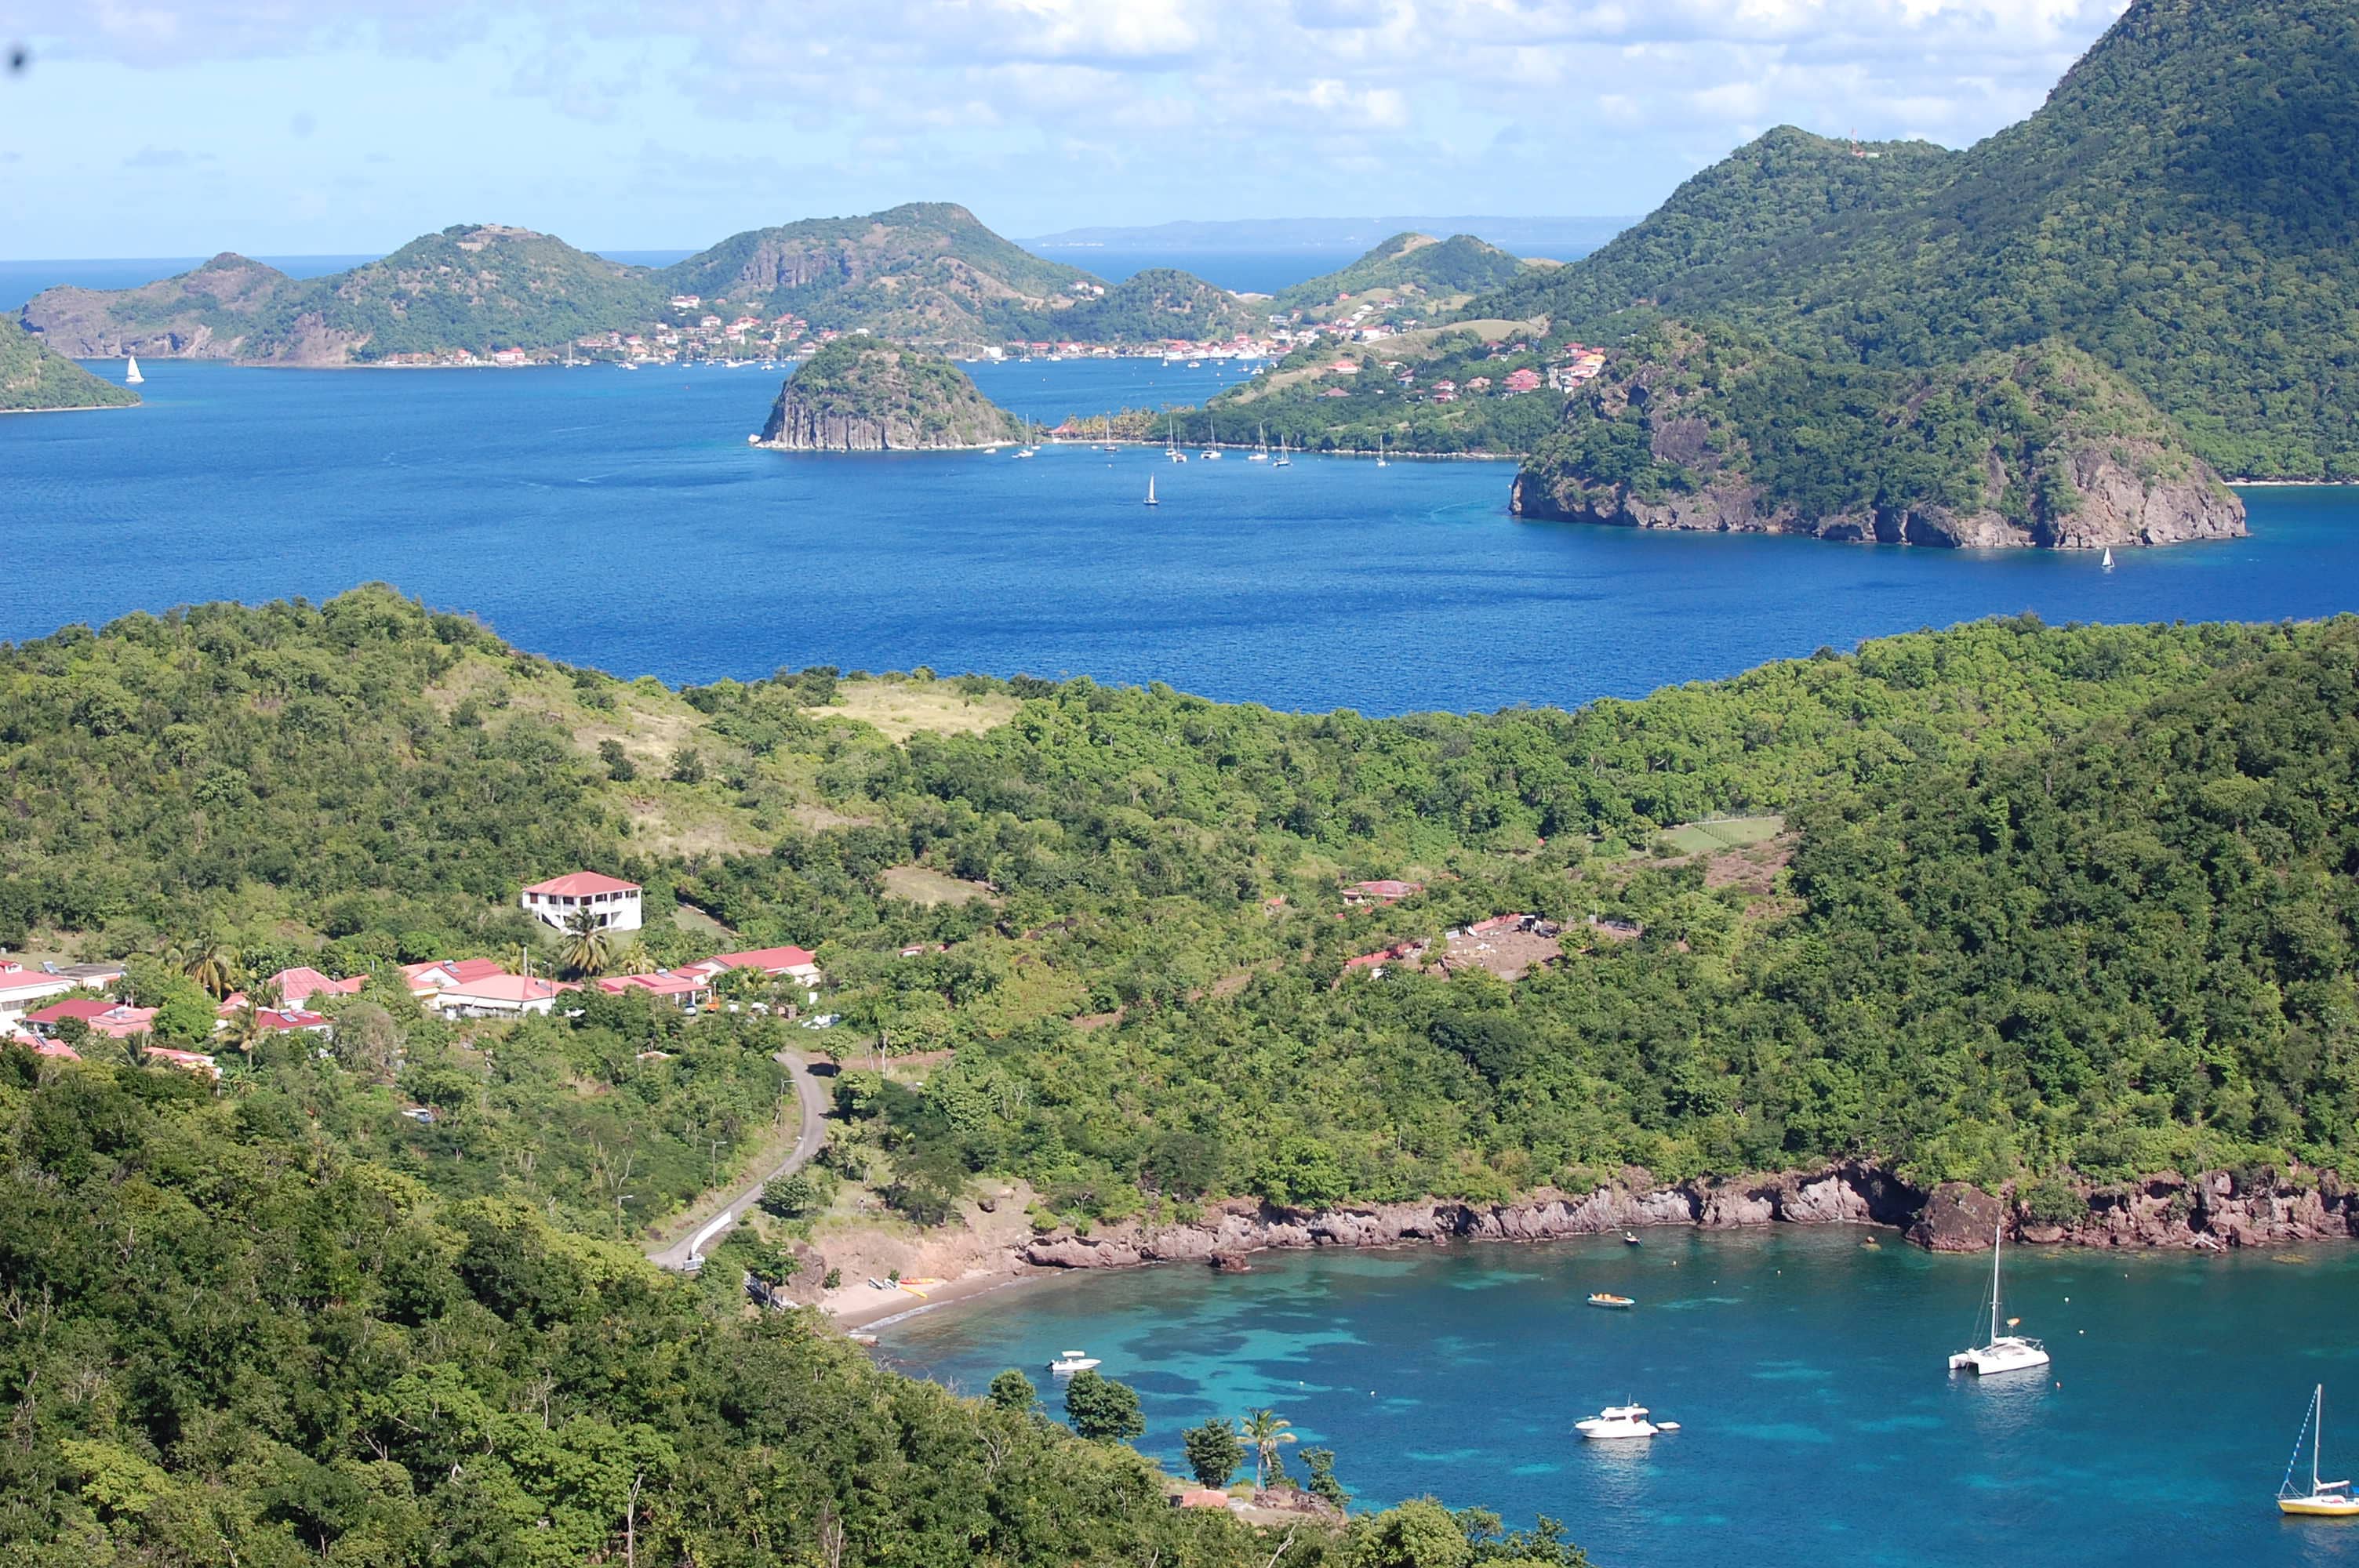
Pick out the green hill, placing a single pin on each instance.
(206, 313)
(925, 272)
(858, 394)
(32, 376)
(1720, 432)
(2185, 207)
(1150, 305)
(1407, 273)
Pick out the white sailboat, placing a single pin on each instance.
(2325, 1499)
(1283, 461)
(1380, 451)
(1261, 448)
(2108, 562)
(131, 376)
(1150, 492)
(1212, 452)
(2005, 1352)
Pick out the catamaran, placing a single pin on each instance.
(2005, 1352)
(131, 376)
(2325, 1499)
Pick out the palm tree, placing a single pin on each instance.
(1266, 1434)
(582, 949)
(213, 964)
(246, 1024)
(133, 1049)
(632, 958)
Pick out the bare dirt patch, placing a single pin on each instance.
(1752, 869)
(898, 709)
(1510, 954)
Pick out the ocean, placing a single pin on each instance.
(1819, 1422)
(619, 519)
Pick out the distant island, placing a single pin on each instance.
(36, 379)
(858, 394)
(1331, 234)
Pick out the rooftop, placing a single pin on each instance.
(574, 884)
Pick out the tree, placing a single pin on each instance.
(1013, 1391)
(619, 767)
(1102, 1409)
(686, 766)
(1266, 1434)
(1214, 1452)
(792, 1195)
(133, 1049)
(584, 947)
(1417, 1534)
(213, 964)
(1323, 1485)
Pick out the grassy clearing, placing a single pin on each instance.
(898, 709)
(1734, 833)
(923, 884)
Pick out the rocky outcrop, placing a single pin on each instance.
(202, 314)
(2217, 1210)
(2040, 448)
(861, 396)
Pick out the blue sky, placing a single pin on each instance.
(182, 127)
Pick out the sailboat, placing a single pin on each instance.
(1380, 451)
(1261, 449)
(2325, 1499)
(1171, 452)
(1150, 492)
(2108, 562)
(1212, 452)
(2005, 1352)
(1283, 461)
(131, 376)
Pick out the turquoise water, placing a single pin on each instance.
(1821, 1424)
(620, 519)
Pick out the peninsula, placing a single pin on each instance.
(36, 379)
(859, 394)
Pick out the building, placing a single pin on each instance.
(612, 901)
(680, 988)
(426, 980)
(501, 995)
(23, 989)
(777, 963)
(111, 1019)
(299, 985)
(1386, 892)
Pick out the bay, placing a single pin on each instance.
(619, 519)
(1820, 1423)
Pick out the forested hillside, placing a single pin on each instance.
(2184, 207)
(33, 377)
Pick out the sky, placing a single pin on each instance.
(183, 127)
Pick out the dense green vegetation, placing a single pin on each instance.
(33, 377)
(1408, 273)
(475, 287)
(1678, 412)
(1153, 305)
(2183, 208)
(876, 390)
(1316, 410)
(2046, 903)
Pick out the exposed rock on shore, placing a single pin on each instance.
(2041, 447)
(2213, 1211)
(863, 395)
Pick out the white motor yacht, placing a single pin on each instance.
(1622, 1420)
(1072, 1361)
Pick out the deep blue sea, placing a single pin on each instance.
(619, 519)
(1820, 1425)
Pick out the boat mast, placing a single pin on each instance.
(2316, 1436)
(1997, 1231)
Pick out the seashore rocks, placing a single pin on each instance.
(2214, 1211)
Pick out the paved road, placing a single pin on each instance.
(814, 1095)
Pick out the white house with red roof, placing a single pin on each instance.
(612, 901)
(111, 1019)
(298, 986)
(439, 975)
(501, 995)
(777, 963)
(681, 987)
(23, 989)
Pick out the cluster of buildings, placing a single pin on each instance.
(35, 1004)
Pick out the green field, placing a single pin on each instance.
(1726, 833)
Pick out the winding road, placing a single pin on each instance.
(813, 1096)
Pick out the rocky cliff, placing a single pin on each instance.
(2216, 1210)
(1710, 432)
(204, 314)
(858, 394)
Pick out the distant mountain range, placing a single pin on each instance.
(1333, 234)
(926, 273)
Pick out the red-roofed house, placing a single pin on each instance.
(1399, 952)
(299, 985)
(497, 996)
(187, 1061)
(21, 989)
(615, 902)
(683, 988)
(425, 980)
(40, 1047)
(792, 963)
(111, 1019)
(294, 1020)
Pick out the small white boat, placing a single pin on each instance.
(2005, 1352)
(1150, 492)
(1380, 451)
(1283, 461)
(1072, 1361)
(2108, 562)
(131, 376)
(2325, 1499)
(1622, 1420)
(1261, 452)
(1630, 1238)
(1613, 1302)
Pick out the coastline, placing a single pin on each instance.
(77, 408)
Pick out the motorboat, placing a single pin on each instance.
(1608, 1300)
(1069, 1362)
(2325, 1499)
(1630, 1238)
(2005, 1352)
(1622, 1420)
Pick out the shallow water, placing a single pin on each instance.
(619, 519)
(1820, 1423)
